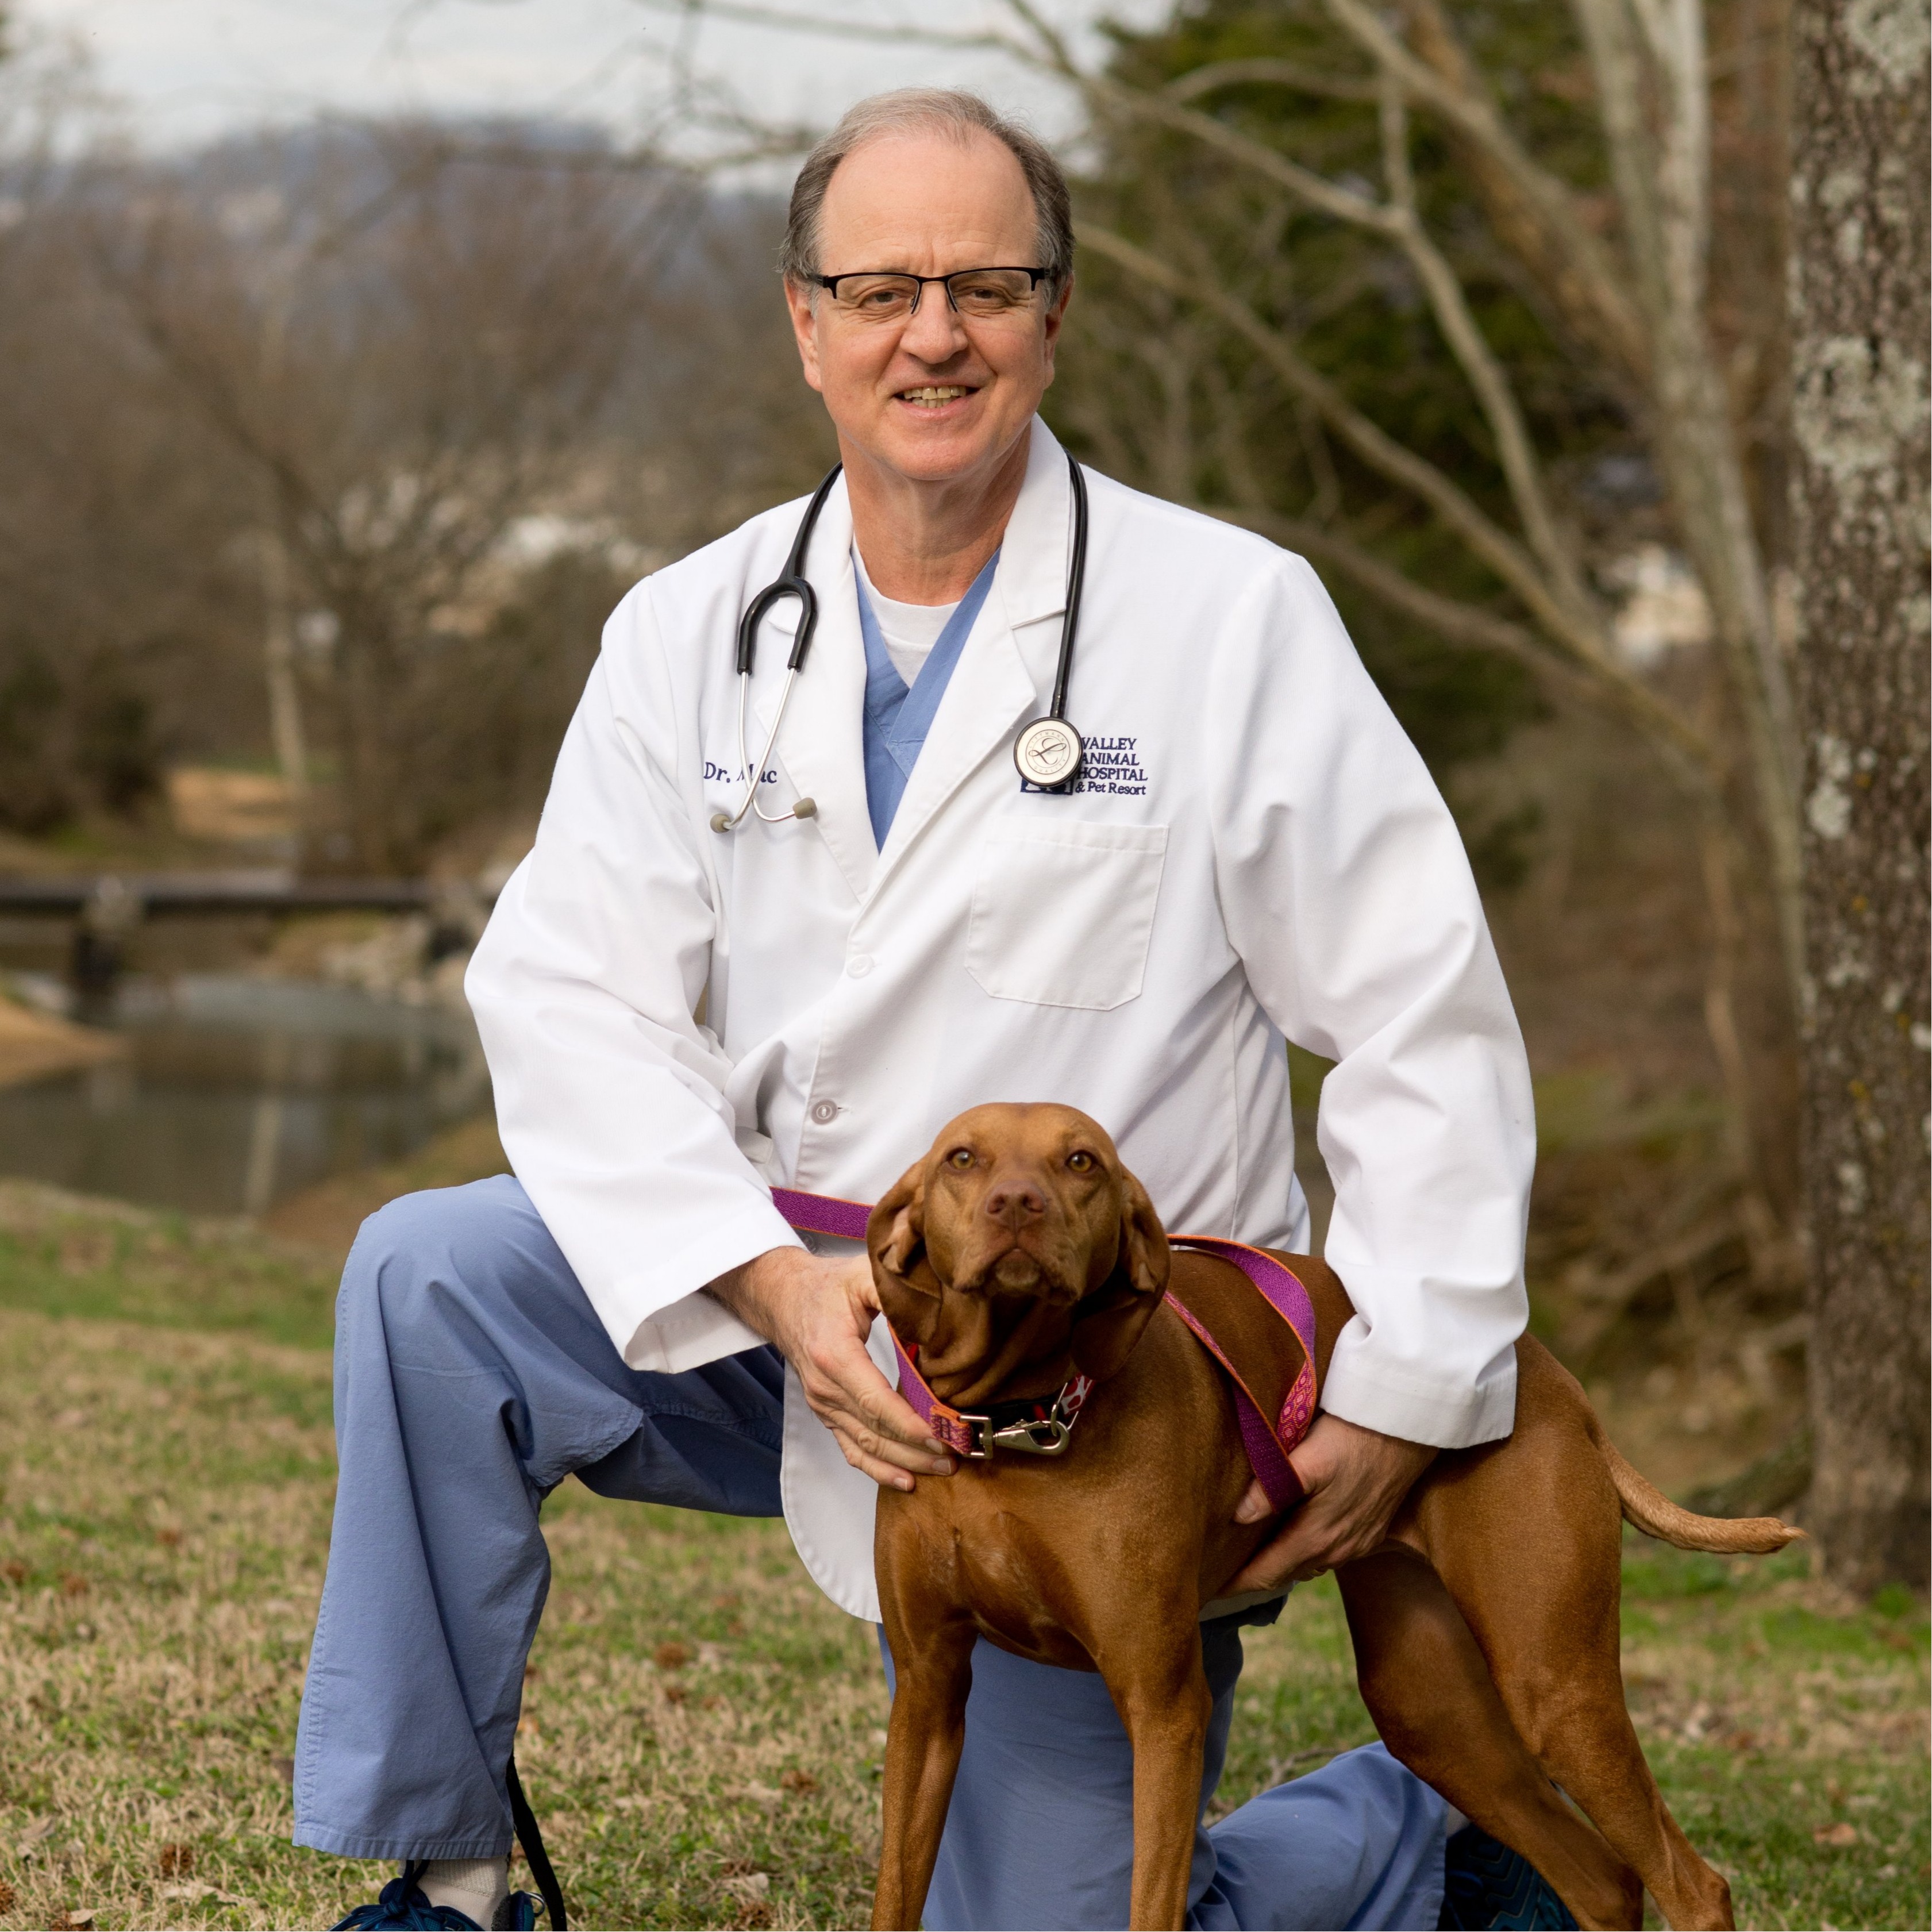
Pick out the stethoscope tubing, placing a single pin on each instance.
(1076, 582)
(794, 583)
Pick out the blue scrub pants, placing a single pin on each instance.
(472, 1376)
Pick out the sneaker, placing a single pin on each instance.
(404, 1907)
(1485, 1884)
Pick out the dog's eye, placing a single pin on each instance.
(960, 1157)
(1080, 1160)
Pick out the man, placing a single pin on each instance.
(1255, 851)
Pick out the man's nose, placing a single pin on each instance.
(1015, 1200)
(933, 331)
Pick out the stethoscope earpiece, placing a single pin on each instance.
(1048, 753)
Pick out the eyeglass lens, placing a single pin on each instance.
(982, 293)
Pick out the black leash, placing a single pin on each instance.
(529, 1835)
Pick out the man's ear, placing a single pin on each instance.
(908, 1289)
(1108, 1323)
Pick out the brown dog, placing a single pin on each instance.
(1485, 1628)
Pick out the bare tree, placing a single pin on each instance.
(118, 638)
(1860, 267)
(408, 340)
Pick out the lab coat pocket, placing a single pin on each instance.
(1063, 913)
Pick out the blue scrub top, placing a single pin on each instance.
(897, 719)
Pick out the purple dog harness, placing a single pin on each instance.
(1036, 1426)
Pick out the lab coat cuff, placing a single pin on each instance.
(660, 1321)
(1378, 1395)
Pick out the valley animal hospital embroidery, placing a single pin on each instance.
(1113, 765)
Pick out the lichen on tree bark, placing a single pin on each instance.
(1860, 316)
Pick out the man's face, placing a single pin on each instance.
(933, 396)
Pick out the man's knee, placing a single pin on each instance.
(430, 1262)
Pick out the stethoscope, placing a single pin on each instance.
(1048, 753)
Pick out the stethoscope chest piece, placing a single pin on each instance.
(1048, 754)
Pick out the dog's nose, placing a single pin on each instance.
(1015, 1202)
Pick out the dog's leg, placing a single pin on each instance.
(1527, 1539)
(1568, 1701)
(1430, 1692)
(932, 1658)
(1160, 1689)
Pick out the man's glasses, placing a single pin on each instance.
(979, 295)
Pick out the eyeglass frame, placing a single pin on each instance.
(1035, 277)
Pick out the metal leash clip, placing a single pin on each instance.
(1047, 1436)
(1034, 1435)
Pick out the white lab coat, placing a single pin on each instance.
(1257, 851)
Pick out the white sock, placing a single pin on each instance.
(475, 1886)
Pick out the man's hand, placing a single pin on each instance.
(818, 1312)
(1355, 1479)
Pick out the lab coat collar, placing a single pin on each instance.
(1032, 579)
(992, 687)
(821, 749)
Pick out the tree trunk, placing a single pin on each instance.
(1860, 317)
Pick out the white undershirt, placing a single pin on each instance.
(909, 630)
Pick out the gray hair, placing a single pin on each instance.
(936, 110)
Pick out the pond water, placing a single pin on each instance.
(237, 1091)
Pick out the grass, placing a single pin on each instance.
(702, 1731)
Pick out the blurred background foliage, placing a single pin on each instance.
(333, 444)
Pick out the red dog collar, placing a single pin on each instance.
(1036, 1427)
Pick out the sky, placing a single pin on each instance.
(183, 71)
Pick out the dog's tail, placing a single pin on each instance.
(1656, 1515)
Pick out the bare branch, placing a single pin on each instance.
(1494, 545)
(1141, 104)
(831, 27)
(1448, 617)
(1534, 208)
(1479, 363)
(1264, 71)
(1617, 687)
(1694, 760)
(1659, 139)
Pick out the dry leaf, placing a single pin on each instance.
(1840, 1834)
(80, 1919)
(167, 1538)
(675, 1693)
(14, 1572)
(7, 1896)
(671, 1656)
(800, 1781)
(175, 1860)
(73, 1584)
(285, 1769)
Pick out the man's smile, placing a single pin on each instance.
(934, 395)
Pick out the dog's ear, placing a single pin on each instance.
(895, 1239)
(1108, 1323)
(1145, 1254)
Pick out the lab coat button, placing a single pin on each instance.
(858, 965)
(824, 1112)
